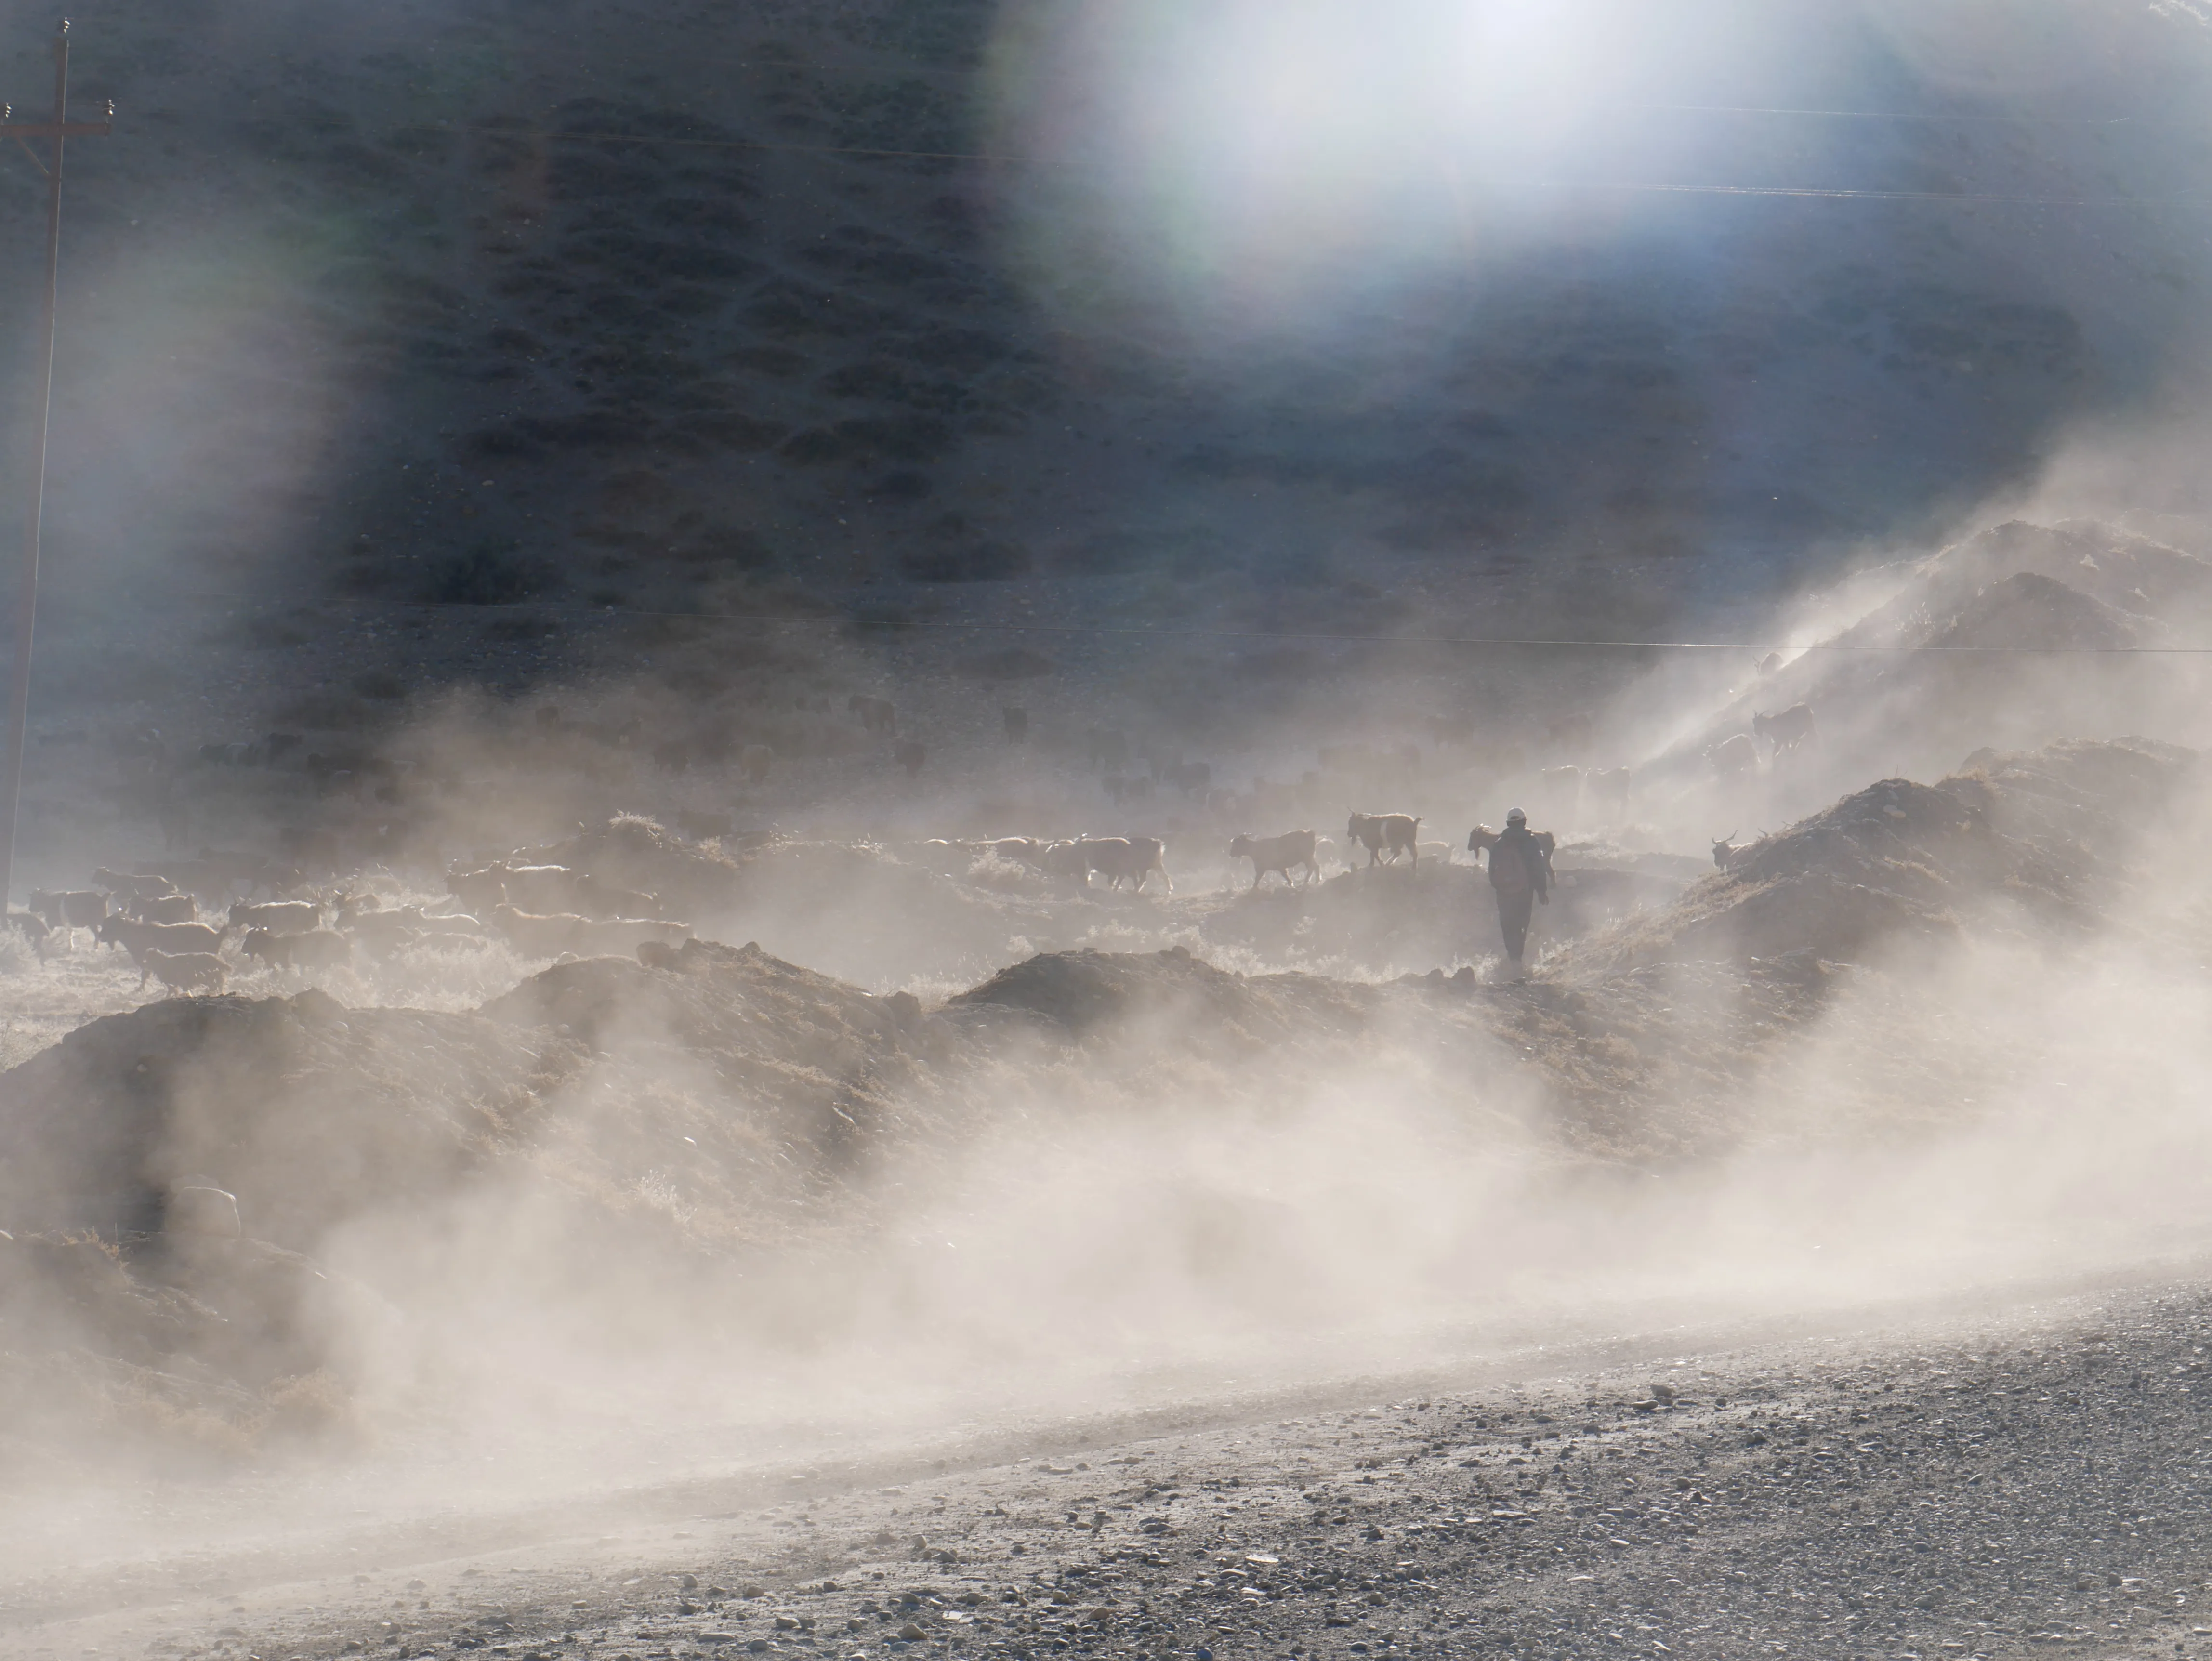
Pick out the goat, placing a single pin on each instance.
(1292, 847)
(1728, 853)
(1787, 730)
(1377, 832)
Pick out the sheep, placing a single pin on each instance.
(544, 888)
(623, 935)
(380, 931)
(500, 883)
(166, 908)
(1066, 859)
(31, 926)
(1124, 858)
(1106, 750)
(1607, 788)
(1439, 851)
(1292, 847)
(176, 939)
(182, 971)
(1191, 777)
(317, 948)
(386, 932)
(450, 925)
(539, 934)
(596, 899)
(877, 714)
(702, 826)
(1395, 833)
(277, 916)
(77, 907)
(1558, 793)
(480, 889)
(406, 925)
(909, 755)
(550, 890)
(138, 886)
(1734, 756)
(1016, 850)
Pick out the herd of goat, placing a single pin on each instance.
(176, 924)
(185, 925)
(1134, 859)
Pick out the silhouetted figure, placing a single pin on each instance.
(1520, 879)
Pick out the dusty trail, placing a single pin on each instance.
(1538, 1498)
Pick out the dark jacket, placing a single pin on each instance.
(1517, 863)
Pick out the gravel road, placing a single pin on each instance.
(1989, 1488)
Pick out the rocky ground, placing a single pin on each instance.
(1982, 1484)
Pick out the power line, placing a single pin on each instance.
(1805, 191)
(845, 620)
(1914, 115)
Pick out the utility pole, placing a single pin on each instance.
(60, 127)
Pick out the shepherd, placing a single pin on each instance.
(1522, 880)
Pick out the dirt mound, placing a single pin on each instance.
(1082, 992)
(2118, 568)
(722, 1121)
(2042, 613)
(2037, 839)
(304, 1109)
(2014, 636)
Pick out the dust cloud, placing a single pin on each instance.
(706, 1058)
(1034, 1150)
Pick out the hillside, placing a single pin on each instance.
(615, 1140)
(671, 308)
